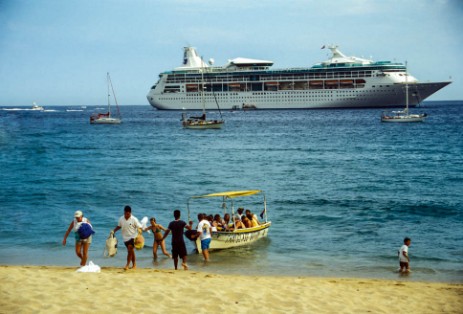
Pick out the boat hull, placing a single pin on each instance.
(403, 119)
(105, 121)
(375, 94)
(225, 240)
(202, 125)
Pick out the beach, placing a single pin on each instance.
(50, 289)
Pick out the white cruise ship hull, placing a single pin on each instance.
(340, 82)
(392, 96)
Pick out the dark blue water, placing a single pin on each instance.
(343, 189)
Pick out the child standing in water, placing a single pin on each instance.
(404, 259)
(158, 241)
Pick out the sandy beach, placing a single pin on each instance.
(48, 289)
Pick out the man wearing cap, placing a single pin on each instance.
(129, 225)
(82, 245)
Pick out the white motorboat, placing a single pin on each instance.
(36, 107)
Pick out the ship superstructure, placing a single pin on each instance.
(339, 82)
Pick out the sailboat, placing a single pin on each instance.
(107, 118)
(202, 122)
(403, 115)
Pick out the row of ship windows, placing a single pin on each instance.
(300, 94)
(188, 78)
(219, 94)
(268, 86)
(234, 96)
(241, 99)
(219, 89)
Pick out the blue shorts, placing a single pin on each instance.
(205, 244)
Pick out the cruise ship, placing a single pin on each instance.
(339, 82)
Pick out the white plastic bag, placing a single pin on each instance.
(90, 268)
(144, 223)
(111, 245)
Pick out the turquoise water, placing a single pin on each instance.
(343, 189)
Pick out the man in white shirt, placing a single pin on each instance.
(129, 225)
(404, 259)
(204, 231)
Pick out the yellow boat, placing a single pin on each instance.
(239, 237)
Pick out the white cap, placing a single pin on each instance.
(78, 214)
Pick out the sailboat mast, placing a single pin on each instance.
(109, 95)
(202, 87)
(406, 87)
(114, 94)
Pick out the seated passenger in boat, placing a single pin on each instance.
(238, 225)
(226, 222)
(239, 212)
(210, 218)
(252, 218)
(247, 223)
(217, 223)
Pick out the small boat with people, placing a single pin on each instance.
(233, 233)
(107, 118)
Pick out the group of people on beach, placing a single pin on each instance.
(131, 227)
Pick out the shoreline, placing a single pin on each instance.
(196, 264)
(55, 288)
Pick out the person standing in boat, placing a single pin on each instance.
(82, 245)
(129, 225)
(178, 244)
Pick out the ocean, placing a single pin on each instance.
(342, 188)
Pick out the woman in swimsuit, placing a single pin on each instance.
(158, 241)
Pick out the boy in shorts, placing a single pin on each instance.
(404, 259)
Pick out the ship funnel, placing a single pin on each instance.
(191, 59)
(336, 53)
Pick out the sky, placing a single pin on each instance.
(56, 52)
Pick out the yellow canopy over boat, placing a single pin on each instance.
(230, 194)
